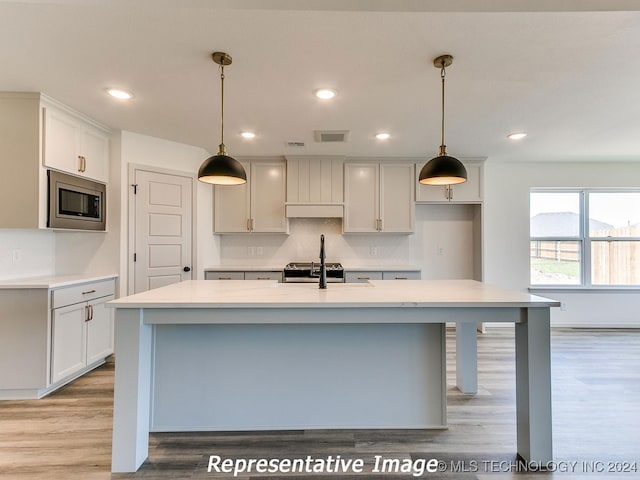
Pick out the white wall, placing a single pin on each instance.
(506, 254)
(153, 152)
(35, 251)
(442, 245)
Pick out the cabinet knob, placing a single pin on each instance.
(187, 269)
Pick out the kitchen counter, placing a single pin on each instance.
(236, 268)
(53, 281)
(381, 268)
(259, 355)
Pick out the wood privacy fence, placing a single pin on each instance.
(612, 262)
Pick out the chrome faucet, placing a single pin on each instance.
(323, 267)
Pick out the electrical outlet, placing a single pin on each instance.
(259, 251)
(251, 251)
(440, 251)
(373, 250)
(17, 255)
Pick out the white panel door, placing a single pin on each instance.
(61, 140)
(68, 340)
(99, 330)
(163, 224)
(95, 149)
(396, 198)
(361, 198)
(268, 194)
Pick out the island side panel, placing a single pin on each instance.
(132, 390)
(467, 357)
(533, 386)
(254, 377)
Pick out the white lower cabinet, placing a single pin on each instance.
(362, 276)
(82, 332)
(243, 275)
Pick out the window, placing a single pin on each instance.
(585, 237)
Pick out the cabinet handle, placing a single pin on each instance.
(248, 224)
(86, 313)
(253, 224)
(88, 292)
(83, 163)
(364, 278)
(90, 312)
(401, 278)
(224, 278)
(263, 278)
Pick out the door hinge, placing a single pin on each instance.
(135, 188)
(135, 257)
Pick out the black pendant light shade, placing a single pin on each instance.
(221, 169)
(443, 169)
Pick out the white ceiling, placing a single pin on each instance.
(569, 76)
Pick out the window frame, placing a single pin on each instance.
(584, 241)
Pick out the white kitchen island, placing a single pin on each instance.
(258, 355)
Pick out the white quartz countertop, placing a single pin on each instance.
(383, 293)
(53, 281)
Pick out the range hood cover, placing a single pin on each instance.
(314, 210)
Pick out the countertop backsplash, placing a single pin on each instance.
(303, 245)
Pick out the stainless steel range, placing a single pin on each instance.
(309, 272)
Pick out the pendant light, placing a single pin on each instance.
(443, 169)
(222, 169)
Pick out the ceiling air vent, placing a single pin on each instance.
(324, 136)
(295, 144)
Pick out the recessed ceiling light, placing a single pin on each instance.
(516, 136)
(247, 135)
(383, 136)
(119, 94)
(325, 93)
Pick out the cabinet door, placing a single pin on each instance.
(361, 277)
(406, 275)
(361, 198)
(61, 140)
(95, 150)
(396, 198)
(99, 330)
(471, 190)
(268, 195)
(68, 349)
(231, 207)
(263, 276)
(220, 275)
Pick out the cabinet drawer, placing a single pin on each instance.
(224, 275)
(412, 275)
(82, 293)
(361, 277)
(276, 275)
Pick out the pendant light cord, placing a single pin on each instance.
(442, 145)
(222, 147)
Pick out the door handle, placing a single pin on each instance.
(187, 269)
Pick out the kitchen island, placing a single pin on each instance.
(261, 355)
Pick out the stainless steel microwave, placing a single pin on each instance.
(76, 203)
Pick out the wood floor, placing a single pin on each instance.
(596, 419)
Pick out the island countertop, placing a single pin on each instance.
(387, 293)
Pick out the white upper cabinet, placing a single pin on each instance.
(379, 198)
(315, 186)
(257, 206)
(72, 145)
(467, 192)
(37, 132)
